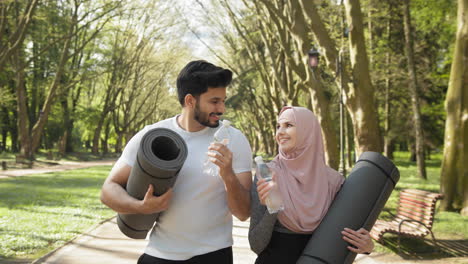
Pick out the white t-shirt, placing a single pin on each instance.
(198, 219)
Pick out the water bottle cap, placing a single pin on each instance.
(258, 159)
(226, 123)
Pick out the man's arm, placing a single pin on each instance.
(238, 196)
(237, 185)
(114, 195)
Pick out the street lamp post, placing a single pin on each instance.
(339, 66)
(313, 58)
(313, 61)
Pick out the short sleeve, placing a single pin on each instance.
(242, 160)
(131, 149)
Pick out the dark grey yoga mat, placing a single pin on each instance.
(357, 204)
(160, 157)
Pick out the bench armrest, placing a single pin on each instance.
(411, 220)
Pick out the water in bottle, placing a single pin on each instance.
(221, 136)
(274, 202)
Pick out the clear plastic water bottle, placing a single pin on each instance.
(274, 202)
(221, 136)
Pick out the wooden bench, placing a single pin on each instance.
(414, 217)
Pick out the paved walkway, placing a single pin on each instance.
(64, 165)
(106, 244)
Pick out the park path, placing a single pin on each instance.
(106, 244)
(63, 165)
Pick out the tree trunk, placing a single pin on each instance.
(351, 159)
(414, 91)
(319, 101)
(320, 106)
(97, 135)
(118, 143)
(105, 141)
(370, 32)
(112, 93)
(454, 172)
(14, 132)
(359, 98)
(39, 126)
(6, 126)
(22, 108)
(63, 141)
(388, 138)
(360, 102)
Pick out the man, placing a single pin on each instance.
(196, 225)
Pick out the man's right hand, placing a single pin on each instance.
(154, 204)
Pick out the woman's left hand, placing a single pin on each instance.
(360, 239)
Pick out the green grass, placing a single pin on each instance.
(39, 213)
(449, 227)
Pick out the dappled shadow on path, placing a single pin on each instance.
(118, 252)
(424, 249)
(4, 260)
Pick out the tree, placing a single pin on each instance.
(454, 173)
(414, 91)
(359, 92)
(127, 86)
(14, 35)
(310, 81)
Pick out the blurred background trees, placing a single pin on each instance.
(82, 75)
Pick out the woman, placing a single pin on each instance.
(307, 186)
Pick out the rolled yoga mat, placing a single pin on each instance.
(357, 204)
(160, 157)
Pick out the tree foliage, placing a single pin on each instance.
(87, 75)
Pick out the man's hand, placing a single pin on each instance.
(237, 185)
(221, 156)
(155, 204)
(360, 239)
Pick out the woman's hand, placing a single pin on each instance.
(264, 187)
(360, 239)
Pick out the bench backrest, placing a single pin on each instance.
(418, 205)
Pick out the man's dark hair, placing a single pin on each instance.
(197, 76)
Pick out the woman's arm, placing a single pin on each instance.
(261, 222)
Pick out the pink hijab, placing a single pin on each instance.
(307, 184)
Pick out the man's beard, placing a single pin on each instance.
(204, 118)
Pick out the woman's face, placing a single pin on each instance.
(286, 135)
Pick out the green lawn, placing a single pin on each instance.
(449, 227)
(41, 212)
(38, 213)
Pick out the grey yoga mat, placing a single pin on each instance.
(357, 204)
(160, 157)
